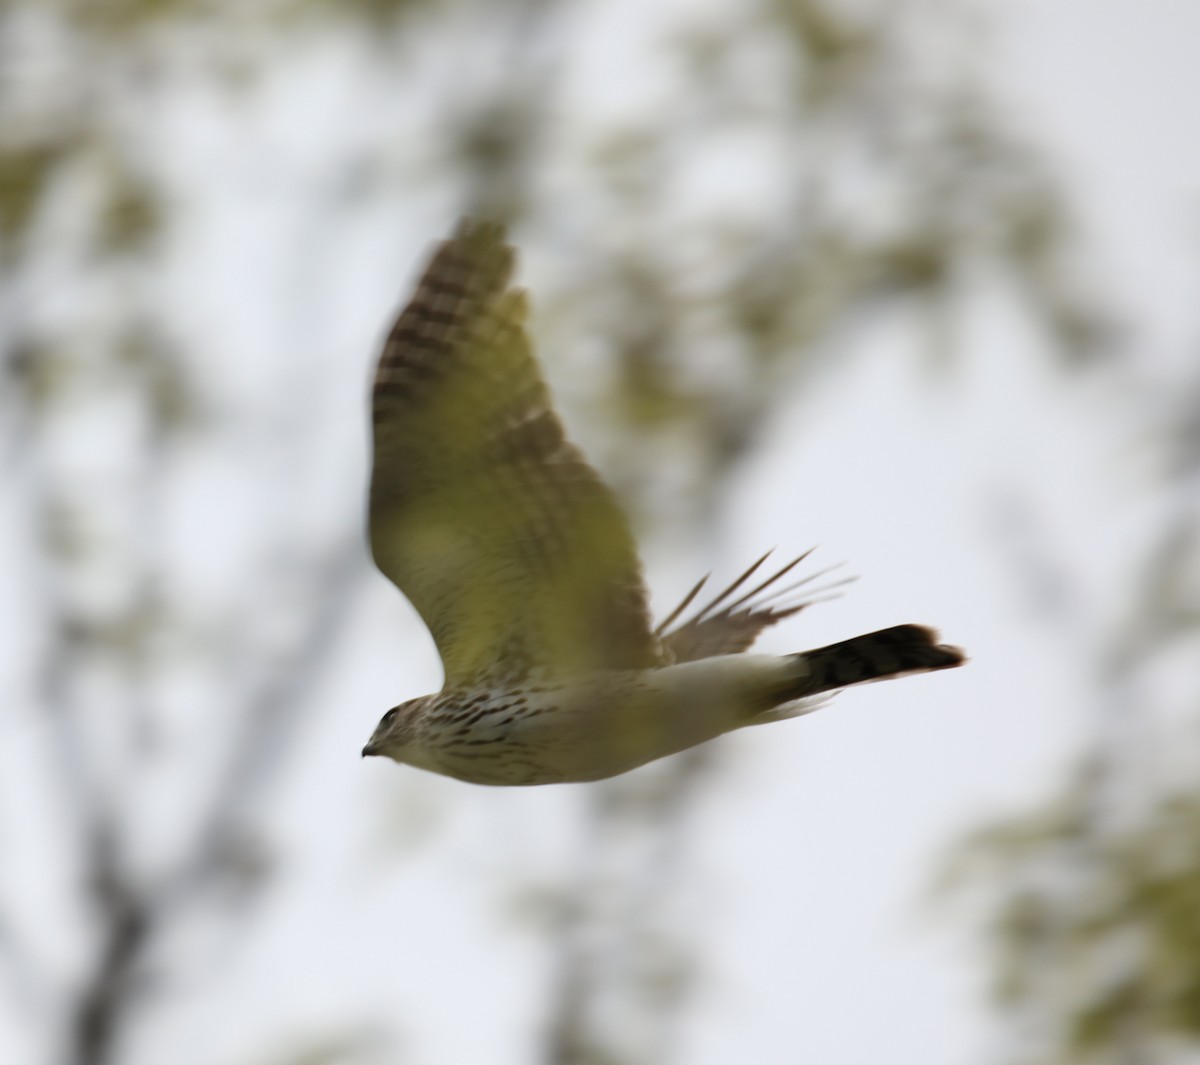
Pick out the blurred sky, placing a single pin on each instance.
(816, 844)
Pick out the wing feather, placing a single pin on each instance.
(734, 627)
(508, 544)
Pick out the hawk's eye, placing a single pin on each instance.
(390, 715)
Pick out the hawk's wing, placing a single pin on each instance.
(731, 628)
(511, 548)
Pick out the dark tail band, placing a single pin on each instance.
(878, 655)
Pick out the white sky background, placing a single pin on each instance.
(818, 840)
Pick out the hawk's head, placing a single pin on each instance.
(394, 733)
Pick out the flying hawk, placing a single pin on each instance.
(519, 559)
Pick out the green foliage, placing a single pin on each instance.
(1095, 929)
(25, 173)
(157, 369)
(352, 1046)
(122, 17)
(768, 282)
(1092, 902)
(372, 15)
(131, 215)
(39, 372)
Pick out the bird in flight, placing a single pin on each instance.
(520, 561)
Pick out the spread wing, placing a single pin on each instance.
(733, 627)
(491, 522)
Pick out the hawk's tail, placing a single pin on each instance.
(880, 655)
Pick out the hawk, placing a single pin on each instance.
(521, 562)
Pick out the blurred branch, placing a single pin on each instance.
(125, 918)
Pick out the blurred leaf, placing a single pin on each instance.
(835, 50)
(168, 390)
(24, 175)
(374, 15)
(131, 215)
(121, 18)
(1099, 935)
(41, 373)
(364, 1045)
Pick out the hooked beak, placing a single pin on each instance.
(370, 749)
